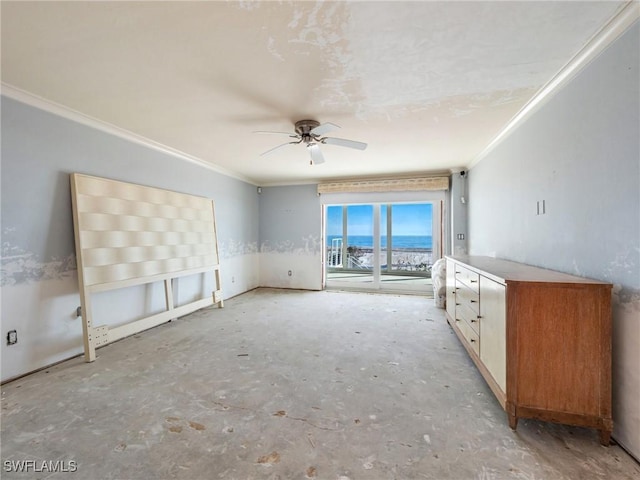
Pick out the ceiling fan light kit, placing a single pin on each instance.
(310, 132)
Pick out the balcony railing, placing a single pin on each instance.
(404, 261)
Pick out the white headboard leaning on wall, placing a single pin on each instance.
(129, 235)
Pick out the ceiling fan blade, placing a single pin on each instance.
(316, 154)
(292, 135)
(324, 128)
(270, 151)
(342, 142)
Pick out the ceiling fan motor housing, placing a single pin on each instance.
(304, 127)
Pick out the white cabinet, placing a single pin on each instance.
(493, 321)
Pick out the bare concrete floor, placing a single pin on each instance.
(289, 385)
(388, 283)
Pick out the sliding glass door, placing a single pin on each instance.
(381, 246)
(349, 234)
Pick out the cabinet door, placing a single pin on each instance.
(493, 330)
(451, 289)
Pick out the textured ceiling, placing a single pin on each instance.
(427, 85)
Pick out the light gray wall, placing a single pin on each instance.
(290, 237)
(580, 154)
(39, 282)
(290, 217)
(40, 150)
(458, 226)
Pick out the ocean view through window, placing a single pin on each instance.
(398, 241)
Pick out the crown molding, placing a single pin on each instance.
(63, 111)
(608, 34)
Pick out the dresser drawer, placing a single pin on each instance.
(463, 312)
(469, 298)
(472, 337)
(468, 277)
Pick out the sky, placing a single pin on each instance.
(408, 219)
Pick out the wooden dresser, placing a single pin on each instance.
(540, 338)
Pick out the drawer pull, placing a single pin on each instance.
(473, 340)
(474, 301)
(474, 321)
(474, 281)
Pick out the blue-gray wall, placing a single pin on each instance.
(290, 237)
(39, 281)
(457, 197)
(289, 218)
(580, 153)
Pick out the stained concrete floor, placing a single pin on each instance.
(289, 385)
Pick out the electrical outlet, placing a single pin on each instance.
(12, 337)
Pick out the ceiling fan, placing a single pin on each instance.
(310, 132)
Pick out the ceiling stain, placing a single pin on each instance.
(429, 84)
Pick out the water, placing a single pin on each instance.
(397, 241)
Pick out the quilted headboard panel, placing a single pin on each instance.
(129, 234)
